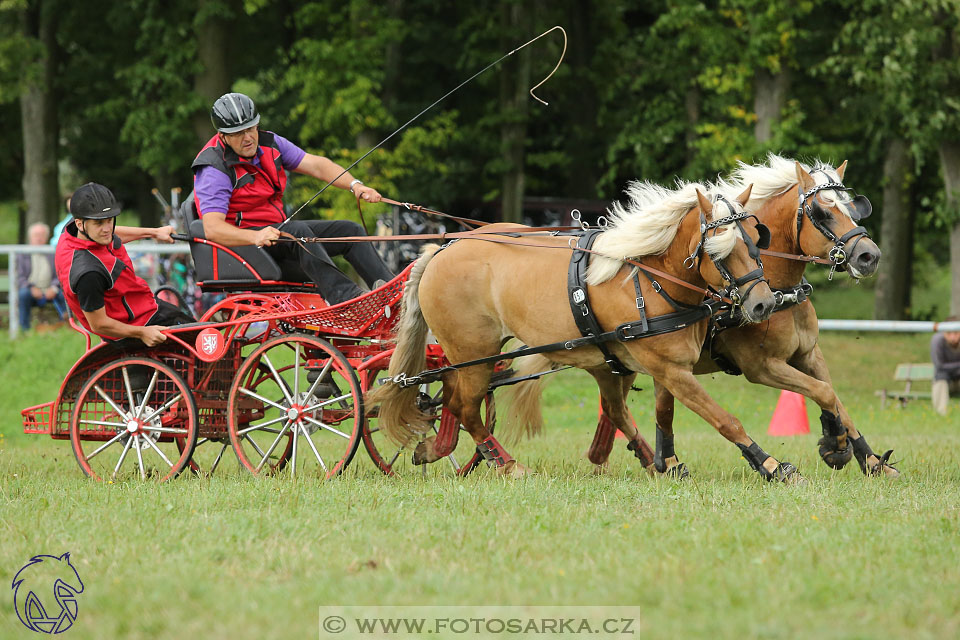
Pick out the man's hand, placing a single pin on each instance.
(152, 335)
(50, 293)
(367, 194)
(266, 237)
(163, 234)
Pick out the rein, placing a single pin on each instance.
(507, 236)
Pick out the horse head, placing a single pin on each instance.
(828, 216)
(731, 237)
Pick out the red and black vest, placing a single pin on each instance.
(257, 199)
(128, 299)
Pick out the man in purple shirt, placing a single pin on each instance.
(239, 179)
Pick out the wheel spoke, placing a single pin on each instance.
(153, 445)
(253, 444)
(148, 392)
(126, 383)
(293, 453)
(261, 426)
(136, 443)
(123, 414)
(394, 458)
(296, 382)
(259, 397)
(327, 401)
(315, 452)
(327, 427)
(167, 430)
(126, 448)
(104, 423)
(280, 381)
(106, 444)
(217, 461)
(166, 405)
(273, 446)
(323, 373)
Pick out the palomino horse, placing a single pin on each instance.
(808, 212)
(476, 295)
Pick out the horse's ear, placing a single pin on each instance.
(744, 197)
(706, 207)
(841, 169)
(805, 179)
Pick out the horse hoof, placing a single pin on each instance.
(679, 472)
(601, 469)
(514, 469)
(883, 467)
(786, 473)
(832, 457)
(419, 454)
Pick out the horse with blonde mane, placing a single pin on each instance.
(809, 212)
(476, 294)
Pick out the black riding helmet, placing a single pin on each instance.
(94, 201)
(234, 112)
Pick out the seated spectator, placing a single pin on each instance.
(945, 353)
(37, 278)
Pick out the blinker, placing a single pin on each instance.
(763, 242)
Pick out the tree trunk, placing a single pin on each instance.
(585, 162)
(692, 107)
(38, 114)
(214, 78)
(893, 290)
(950, 160)
(513, 109)
(770, 95)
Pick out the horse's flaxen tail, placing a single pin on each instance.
(399, 417)
(524, 416)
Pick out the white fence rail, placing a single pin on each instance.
(898, 326)
(13, 249)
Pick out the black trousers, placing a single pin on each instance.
(315, 261)
(166, 315)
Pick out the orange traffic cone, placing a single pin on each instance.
(790, 416)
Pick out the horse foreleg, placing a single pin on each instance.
(870, 463)
(684, 386)
(665, 460)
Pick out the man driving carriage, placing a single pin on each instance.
(97, 276)
(239, 179)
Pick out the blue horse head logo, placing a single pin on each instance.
(45, 593)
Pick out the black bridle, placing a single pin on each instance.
(755, 277)
(861, 209)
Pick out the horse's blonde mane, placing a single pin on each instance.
(773, 179)
(647, 225)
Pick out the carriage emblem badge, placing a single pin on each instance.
(45, 593)
(210, 344)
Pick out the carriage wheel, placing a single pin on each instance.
(216, 455)
(394, 460)
(127, 419)
(301, 389)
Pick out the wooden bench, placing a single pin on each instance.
(908, 374)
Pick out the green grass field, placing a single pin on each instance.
(723, 555)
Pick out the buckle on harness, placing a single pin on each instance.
(640, 303)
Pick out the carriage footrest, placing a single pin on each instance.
(38, 419)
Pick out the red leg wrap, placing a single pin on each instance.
(447, 435)
(602, 443)
(493, 451)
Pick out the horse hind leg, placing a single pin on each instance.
(614, 415)
(665, 461)
(467, 394)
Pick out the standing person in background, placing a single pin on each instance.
(37, 278)
(239, 179)
(945, 354)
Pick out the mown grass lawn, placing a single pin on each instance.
(723, 555)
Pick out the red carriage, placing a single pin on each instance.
(271, 370)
